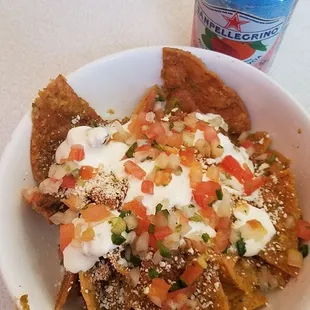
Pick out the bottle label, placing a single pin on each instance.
(247, 37)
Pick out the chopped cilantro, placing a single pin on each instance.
(196, 218)
(272, 158)
(159, 207)
(174, 287)
(165, 213)
(157, 146)
(219, 194)
(304, 250)
(178, 228)
(117, 239)
(219, 147)
(241, 247)
(164, 252)
(124, 213)
(191, 206)
(153, 273)
(151, 229)
(131, 150)
(171, 125)
(160, 97)
(135, 260)
(205, 237)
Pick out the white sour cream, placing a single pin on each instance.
(214, 120)
(178, 191)
(96, 152)
(83, 258)
(253, 247)
(199, 228)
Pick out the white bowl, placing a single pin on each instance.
(28, 246)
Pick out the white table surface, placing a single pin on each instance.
(41, 38)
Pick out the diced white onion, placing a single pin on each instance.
(49, 186)
(188, 138)
(142, 243)
(162, 161)
(157, 258)
(294, 258)
(63, 217)
(134, 275)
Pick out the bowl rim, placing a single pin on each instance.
(22, 123)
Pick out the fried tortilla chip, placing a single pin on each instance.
(231, 291)
(237, 273)
(188, 82)
(209, 290)
(248, 301)
(56, 110)
(280, 192)
(66, 285)
(88, 291)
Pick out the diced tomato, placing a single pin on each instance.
(303, 230)
(201, 125)
(247, 144)
(155, 130)
(136, 207)
(230, 165)
(195, 174)
(77, 152)
(162, 140)
(211, 215)
(147, 102)
(187, 291)
(187, 156)
(221, 240)
(95, 213)
(134, 169)
(136, 123)
(223, 223)
(143, 225)
(162, 178)
(175, 140)
(192, 273)
(159, 288)
(252, 185)
(205, 193)
(162, 232)
(147, 187)
(152, 242)
(68, 181)
(88, 172)
(210, 133)
(66, 235)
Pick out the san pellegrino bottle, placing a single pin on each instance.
(250, 30)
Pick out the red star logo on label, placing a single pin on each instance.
(234, 22)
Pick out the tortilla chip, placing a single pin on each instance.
(66, 285)
(248, 301)
(147, 102)
(238, 273)
(231, 291)
(88, 291)
(282, 199)
(187, 80)
(52, 114)
(209, 290)
(261, 140)
(47, 205)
